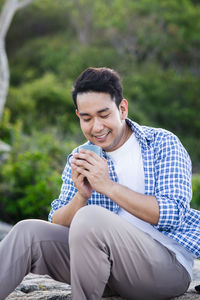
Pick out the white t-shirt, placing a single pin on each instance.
(130, 171)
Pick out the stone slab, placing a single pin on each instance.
(43, 287)
(4, 229)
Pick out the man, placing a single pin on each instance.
(122, 222)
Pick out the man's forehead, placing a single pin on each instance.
(94, 102)
(82, 113)
(94, 95)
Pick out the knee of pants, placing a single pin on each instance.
(89, 220)
(26, 230)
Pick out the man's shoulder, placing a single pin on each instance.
(158, 134)
(165, 141)
(152, 134)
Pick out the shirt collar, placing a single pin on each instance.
(143, 135)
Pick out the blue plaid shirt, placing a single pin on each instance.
(167, 169)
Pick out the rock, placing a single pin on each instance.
(41, 287)
(191, 293)
(4, 151)
(4, 229)
(4, 147)
(44, 287)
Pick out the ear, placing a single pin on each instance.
(77, 113)
(123, 108)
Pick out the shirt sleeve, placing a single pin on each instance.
(173, 182)
(68, 191)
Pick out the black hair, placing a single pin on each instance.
(99, 80)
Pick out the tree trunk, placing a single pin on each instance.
(8, 10)
(4, 76)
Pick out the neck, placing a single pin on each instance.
(126, 134)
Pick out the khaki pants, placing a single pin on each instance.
(99, 252)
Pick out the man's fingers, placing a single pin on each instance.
(87, 155)
(74, 170)
(81, 170)
(76, 173)
(82, 164)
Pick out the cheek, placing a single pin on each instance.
(84, 128)
(114, 124)
(109, 122)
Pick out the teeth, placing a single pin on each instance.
(101, 136)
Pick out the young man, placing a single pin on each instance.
(122, 222)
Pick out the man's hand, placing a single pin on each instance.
(80, 181)
(92, 169)
(95, 169)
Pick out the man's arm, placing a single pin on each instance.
(142, 206)
(173, 188)
(64, 215)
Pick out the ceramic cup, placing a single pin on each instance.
(96, 149)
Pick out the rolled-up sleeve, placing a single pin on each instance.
(173, 182)
(68, 191)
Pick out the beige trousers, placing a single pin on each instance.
(99, 252)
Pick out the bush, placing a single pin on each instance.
(168, 100)
(28, 186)
(43, 102)
(196, 191)
(31, 176)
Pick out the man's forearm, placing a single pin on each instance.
(64, 215)
(144, 207)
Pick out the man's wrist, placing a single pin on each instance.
(81, 198)
(110, 188)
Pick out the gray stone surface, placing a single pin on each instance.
(41, 287)
(191, 293)
(4, 229)
(45, 288)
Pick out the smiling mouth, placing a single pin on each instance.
(102, 136)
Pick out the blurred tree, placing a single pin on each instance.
(7, 12)
(153, 44)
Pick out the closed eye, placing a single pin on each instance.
(105, 116)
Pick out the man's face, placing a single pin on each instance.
(101, 121)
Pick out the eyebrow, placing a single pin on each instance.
(98, 112)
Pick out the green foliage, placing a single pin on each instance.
(153, 44)
(29, 182)
(6, 127)
(196, 191)
(167, 98)
(43, 102)
(30, 177)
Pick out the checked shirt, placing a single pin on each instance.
(167, 169)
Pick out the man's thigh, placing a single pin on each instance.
(140, 267)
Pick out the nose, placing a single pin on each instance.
(97, 125)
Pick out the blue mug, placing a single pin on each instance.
(96, 149)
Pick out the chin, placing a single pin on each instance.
(107, 148)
